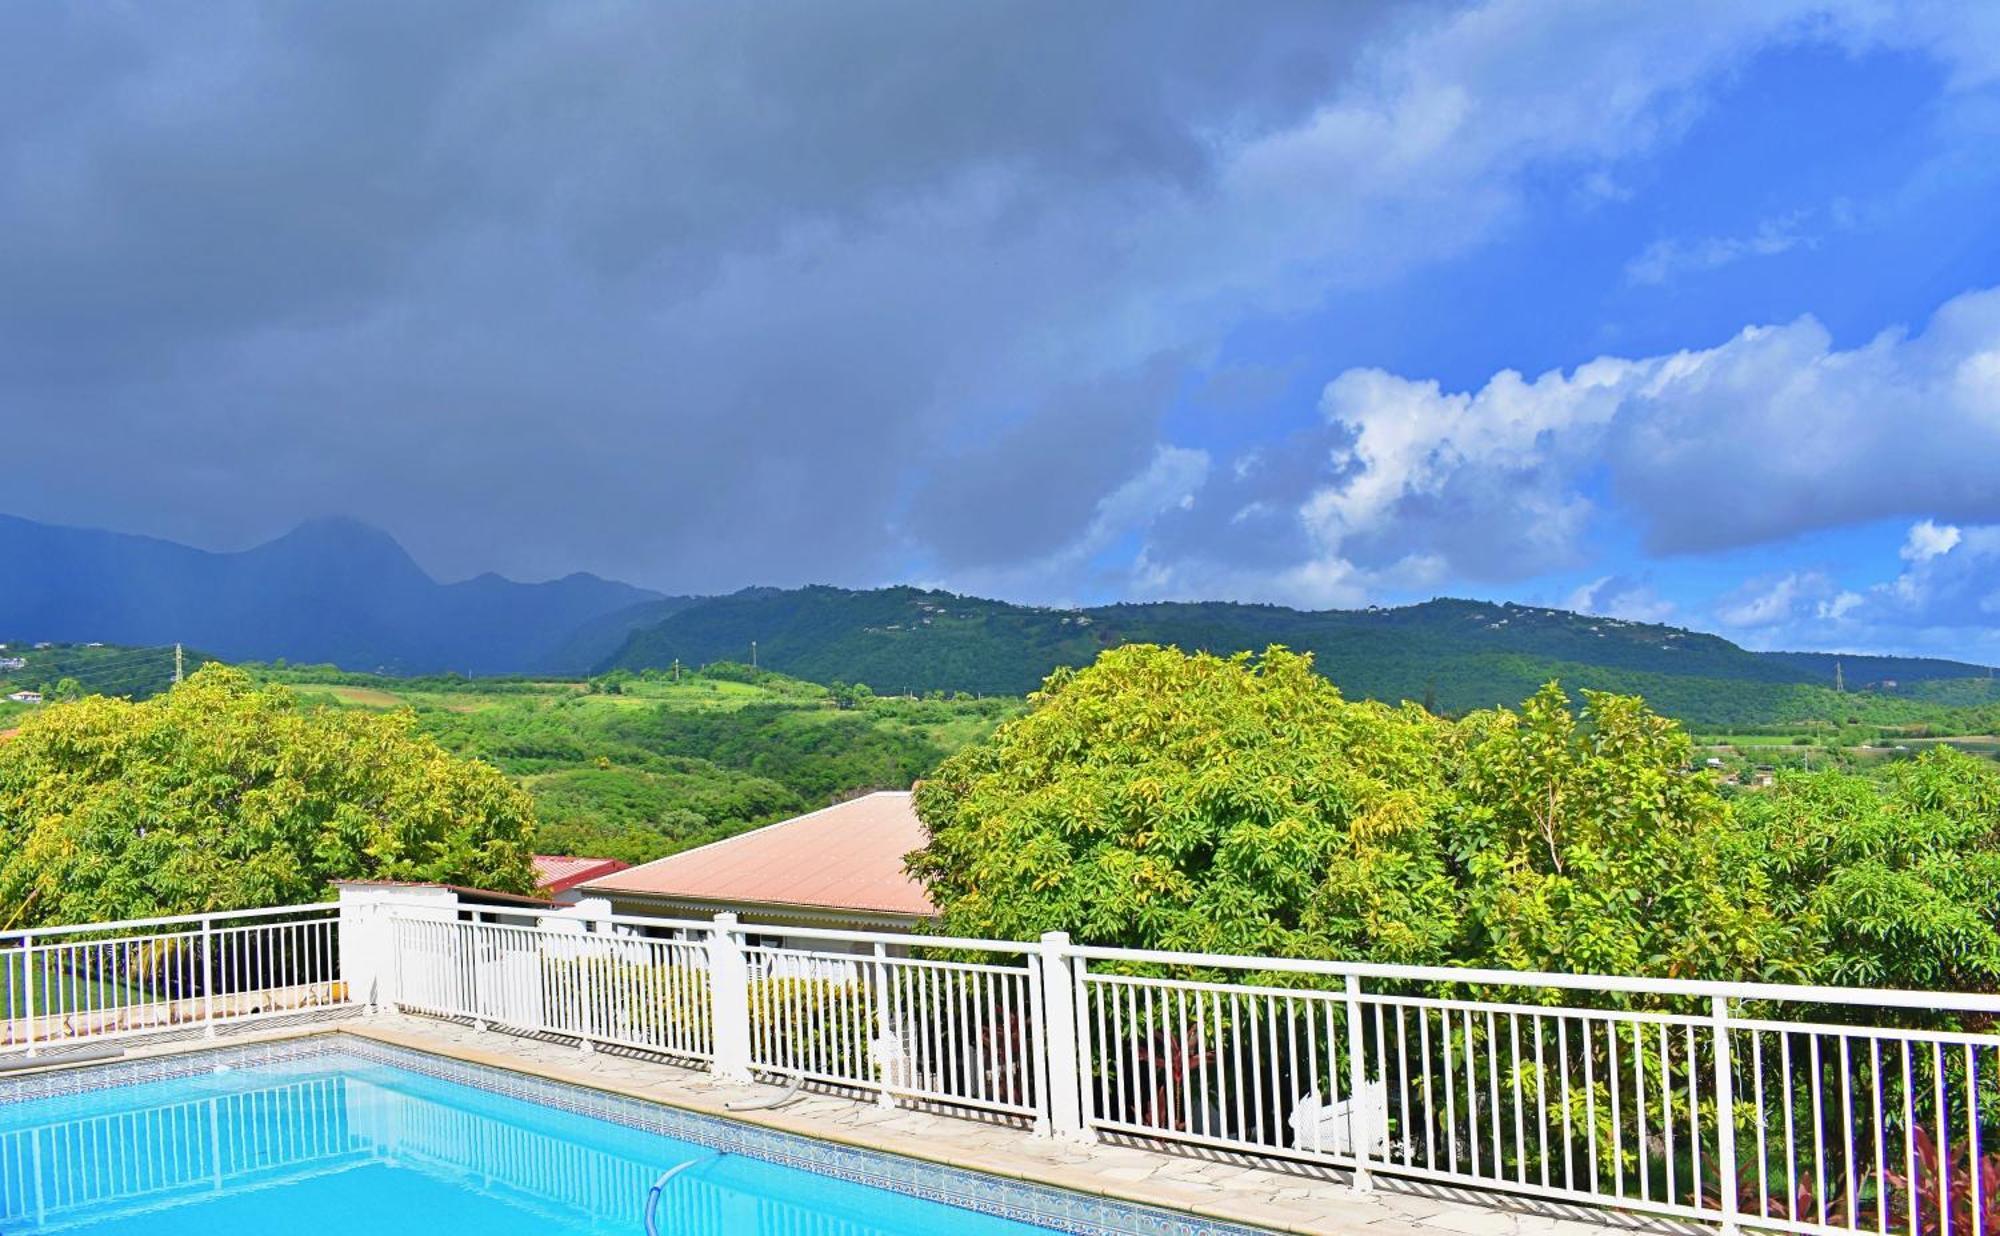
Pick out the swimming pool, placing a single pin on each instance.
(337, 1134)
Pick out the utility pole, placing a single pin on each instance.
(677, 670)
(177, 663)
(1838, 685)
(753, 654)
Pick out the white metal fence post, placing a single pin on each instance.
(1725, 1116)
(1359, 1136)
(1062, 1090)
(886, 1056)
(729, 996)
(28, 986)
(207, 978)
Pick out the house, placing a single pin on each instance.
(26, 697)
(448, 902)
(837, 867)
(559, 877)
(13, 663)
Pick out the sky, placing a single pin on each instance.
(1686, 313)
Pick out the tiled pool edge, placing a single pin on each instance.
(979, 1189)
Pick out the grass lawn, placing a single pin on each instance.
(70, 991)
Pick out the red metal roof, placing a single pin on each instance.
(466, 893)
(846, 857)
(558, 873)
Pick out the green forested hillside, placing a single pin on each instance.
(639, 766)
(91, 669)
(1455, 655)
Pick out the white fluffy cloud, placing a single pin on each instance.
(1783, 599)
(1929, 539)
(1666, 258)
(1615, 596)
(1943, 601)
(1774, 432)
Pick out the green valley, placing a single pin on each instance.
(635, 766)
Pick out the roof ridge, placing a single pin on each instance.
(761, 829)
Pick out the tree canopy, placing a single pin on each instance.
(1242, 805)
(221, 794)
(1892, 882)
(1159, 800)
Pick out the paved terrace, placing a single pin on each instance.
(1211, 1184)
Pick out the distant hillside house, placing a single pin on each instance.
(559, 877)
(839, 867)
(26, 697)
(13, 663)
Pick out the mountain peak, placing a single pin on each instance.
(336, 530)
(337, 549)
(332, 589)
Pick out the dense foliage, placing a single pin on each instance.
(1235, 805)
(1892, 881)
(93, 669)
(1583, 841)
(223, 794)
(1195, 803)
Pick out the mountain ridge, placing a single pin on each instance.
(341, 591)
(329, 590)
(1453, 652)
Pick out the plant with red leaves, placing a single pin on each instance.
(1944, 1186)
(1167, 1059)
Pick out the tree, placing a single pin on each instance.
(1585, 842)
(1160, 800)
(1892, 883)
(1195, 802)
(222, 795)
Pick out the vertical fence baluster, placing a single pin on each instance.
(1540, 1032)
(1847, 1123)
(1819, 1129)
(1360, 1137)
(1910, 1142)
(1725, 1114)
(1977, 1208)
(1943, 1139)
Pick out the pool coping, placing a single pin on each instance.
(943, 1178)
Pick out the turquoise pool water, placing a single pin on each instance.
(337, 1143)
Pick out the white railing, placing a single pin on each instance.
(957, 1032)
(614, 987)
(1785, 1108)
(104, 981)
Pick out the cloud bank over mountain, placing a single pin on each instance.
(1061, 303)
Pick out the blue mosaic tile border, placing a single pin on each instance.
(86, 1076)
(1058, 1209)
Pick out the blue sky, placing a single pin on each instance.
(1679, 312)
(1850, 185)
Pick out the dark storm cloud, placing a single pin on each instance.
(1106, 430)
(696, 295)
